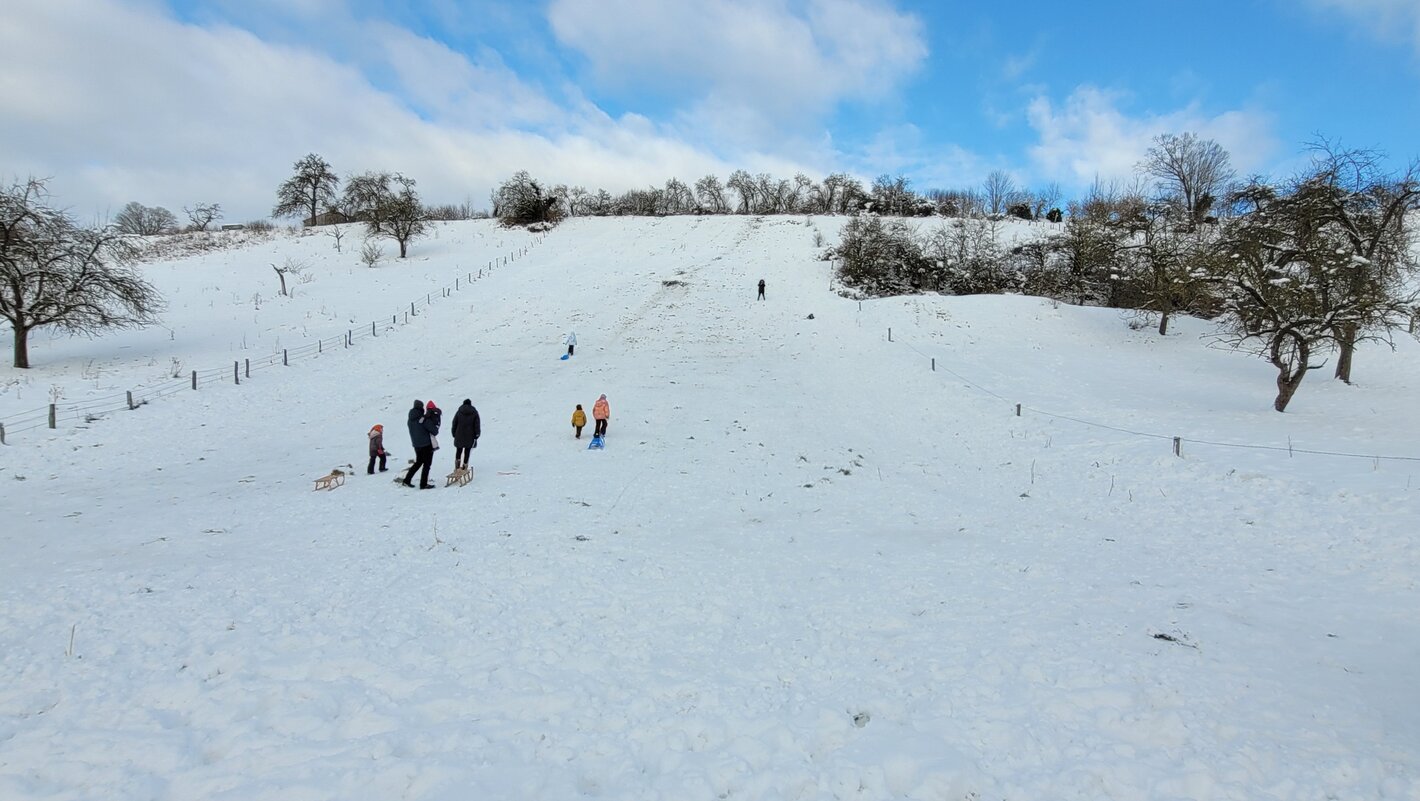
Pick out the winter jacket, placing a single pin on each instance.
(422, 426)
(418, 437)
(571, 339)
(601, 410)
(579, 418)
(377, 441)
(465, 427)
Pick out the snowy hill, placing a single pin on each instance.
(807, 565)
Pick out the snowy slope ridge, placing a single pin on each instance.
(807, 566)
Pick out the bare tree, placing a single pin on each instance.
(1163, 263)
(677, 198)
(893, 195)
(337, 233)
(371, 253)
(141, 220)
(304, 193)
(1271, 289)
(54, 273)
(388, 205)
(1191, 169)
(742, 183)
(522, 200)
(711, 194)
(292, 268)
(1360, 231)
(999, 190)
(203, 214)
(1045, 199)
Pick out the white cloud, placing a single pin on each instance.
(749, 58)
(1088, 137)
(119, 102)
(1388, 20)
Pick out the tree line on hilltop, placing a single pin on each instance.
(1312, 264)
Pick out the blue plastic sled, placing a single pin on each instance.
(564, 357)
(597, 444)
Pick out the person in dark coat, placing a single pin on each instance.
(761, 289)
(466, 430)
(422, 428)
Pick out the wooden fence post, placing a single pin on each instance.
(194, 379)
(51, 416)
(411, 311)
(237, 373)
(284, 361)
(889, 334)
(372, 329)
(1018, 410)
(1178, 446)
(2, 433)
(320, 346)
(131, 407)
(247, 367)
(934, 364)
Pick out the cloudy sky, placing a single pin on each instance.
(173, 102)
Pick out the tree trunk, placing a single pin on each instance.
(403, 247)
(1289, 375)
(1163, 323)
(282, 276)
(22, 346)
(1346, 343)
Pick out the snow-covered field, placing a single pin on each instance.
(807, 566)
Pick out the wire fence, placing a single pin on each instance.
(1177, 440)
(90, 410)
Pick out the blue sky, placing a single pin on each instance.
(172, 102)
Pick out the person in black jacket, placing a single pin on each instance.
(466, 430)
(422, 428)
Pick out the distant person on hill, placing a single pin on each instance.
(601, 410)
(377, 449)
(761, 289)
(579, 419)
(422, 428)
(466, 430)
(571, 342)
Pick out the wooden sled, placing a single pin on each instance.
(329, 482)
(460, 476)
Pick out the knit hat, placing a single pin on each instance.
(430, 405)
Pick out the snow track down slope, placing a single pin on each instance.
(806, 566)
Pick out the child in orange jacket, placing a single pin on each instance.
(377, 449)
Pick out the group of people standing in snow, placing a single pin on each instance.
(424, 421)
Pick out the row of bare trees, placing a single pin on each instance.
(525, 200)
(140, 220)
(1297, 268)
